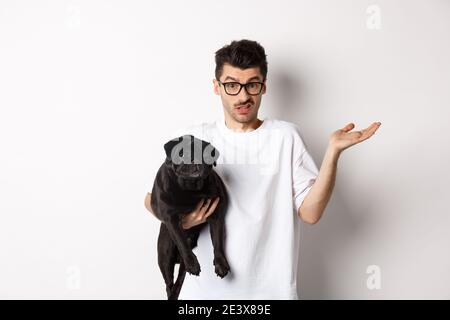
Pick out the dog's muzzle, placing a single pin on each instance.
(191, 184)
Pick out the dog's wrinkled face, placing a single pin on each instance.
(191, 160)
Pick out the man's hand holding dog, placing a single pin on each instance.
(198, 216)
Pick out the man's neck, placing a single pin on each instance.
(243, 127)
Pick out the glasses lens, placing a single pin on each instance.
(232, 87)
(253, 87)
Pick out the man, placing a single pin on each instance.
(272, 183)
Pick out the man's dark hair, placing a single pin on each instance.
(242, 54)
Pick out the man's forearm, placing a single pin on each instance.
(147, 202)
(317, 198)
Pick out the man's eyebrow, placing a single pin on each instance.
(252, 78)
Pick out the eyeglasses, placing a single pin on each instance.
(233, 88)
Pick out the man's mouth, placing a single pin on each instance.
(243, 108)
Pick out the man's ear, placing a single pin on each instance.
(216, 88)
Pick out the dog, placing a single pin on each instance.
(186, 177)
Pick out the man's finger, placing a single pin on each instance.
(212, 208)
(370, 130)
(348, 127)
(198, 208)
(205, 206)
(199, 204)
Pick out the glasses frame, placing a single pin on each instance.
(240, 87)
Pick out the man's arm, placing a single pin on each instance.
(147, 202)
(202, 211)
(316, 200)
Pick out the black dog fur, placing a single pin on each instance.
(186, 177)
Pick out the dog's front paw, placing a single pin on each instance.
(192, 265)
(222, 266)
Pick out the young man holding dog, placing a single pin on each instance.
(272, 182)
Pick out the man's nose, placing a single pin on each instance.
(243, 95)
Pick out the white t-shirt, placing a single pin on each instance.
(267, 173)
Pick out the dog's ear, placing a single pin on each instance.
(210, 153)
(215, 154)
(168, 147)
(182, 150)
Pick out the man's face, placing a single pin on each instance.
(232, 102)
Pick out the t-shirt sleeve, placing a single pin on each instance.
(304, 170)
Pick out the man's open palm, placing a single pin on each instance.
(343, 138)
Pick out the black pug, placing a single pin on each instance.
(186, 177)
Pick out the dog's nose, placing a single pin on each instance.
(196, 169)
(191, 170)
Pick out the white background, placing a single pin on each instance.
(90, 89)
